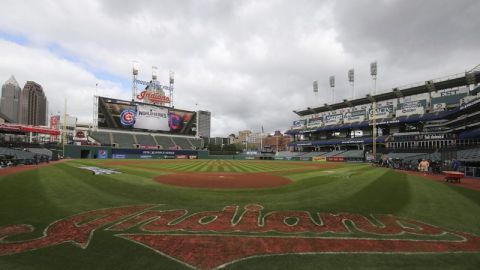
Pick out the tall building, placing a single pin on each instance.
(276, 142)
(204, 124)
(33, 105)
(10, 99)
(243, 135)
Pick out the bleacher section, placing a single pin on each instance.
(352, 154)
(334, 153)
(182, 143)
(16, 154)
(145, 140)
(197, 143)
(415, 156)
(128, 140)
(165, 142)
(472, 154)
(41, 151)
(124, 140)
(101, 137)
(437, 115)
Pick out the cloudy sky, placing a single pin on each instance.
(250, 63)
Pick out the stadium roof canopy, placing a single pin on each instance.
(462, 79)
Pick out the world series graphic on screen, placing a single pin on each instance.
(136, 116)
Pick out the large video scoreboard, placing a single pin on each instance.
(137, 116)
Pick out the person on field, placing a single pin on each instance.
(455, 164)
(423, 166)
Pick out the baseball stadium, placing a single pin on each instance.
(138, 189)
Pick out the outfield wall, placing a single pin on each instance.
(106, 152)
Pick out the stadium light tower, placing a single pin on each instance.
(153, 83)
(154, 73)
(373, 73)
(315, 90)
(332, 86)
(135, 69)
(351, 80)
(172, 82)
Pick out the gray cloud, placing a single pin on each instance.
(249, 62)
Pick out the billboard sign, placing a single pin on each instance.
(335, 159)
(439, 107)
(102, 154)
(354, 116)
(333, 119)
(383, 109)
(135, 116)
(299, 124)
(315, 122)
(319, 159)
(411, 107)
(54, 121)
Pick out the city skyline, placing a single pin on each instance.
(27, 105)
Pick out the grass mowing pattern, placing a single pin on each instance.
(41, 196)
(212, 166)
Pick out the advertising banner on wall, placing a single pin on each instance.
(315, 122)
(102, 154)
(299, 124)
(354, 116)
(333, 119)
(439, 107)
(449, 96)
(319, 159)
(382, 111)
(411, 107)
(335, 159)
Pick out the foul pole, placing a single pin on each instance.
(373, 73)
(64, 130)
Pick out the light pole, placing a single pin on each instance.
(373, 73)
(172, 82)
(351, 80)
(135, 69)
(332, 86)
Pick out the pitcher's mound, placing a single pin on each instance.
(223, 180)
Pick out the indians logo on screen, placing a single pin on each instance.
(127, 117)
(152, 97)
(213, 239)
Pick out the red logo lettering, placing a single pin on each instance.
(295, 232)
(153, 97)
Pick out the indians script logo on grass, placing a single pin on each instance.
(213, 239)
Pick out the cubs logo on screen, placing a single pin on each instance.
(175, 122)
(127, 117)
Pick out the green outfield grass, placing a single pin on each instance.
(41, 196)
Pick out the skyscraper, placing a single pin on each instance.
(33, 105)
(203, 124)
(10, 99)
